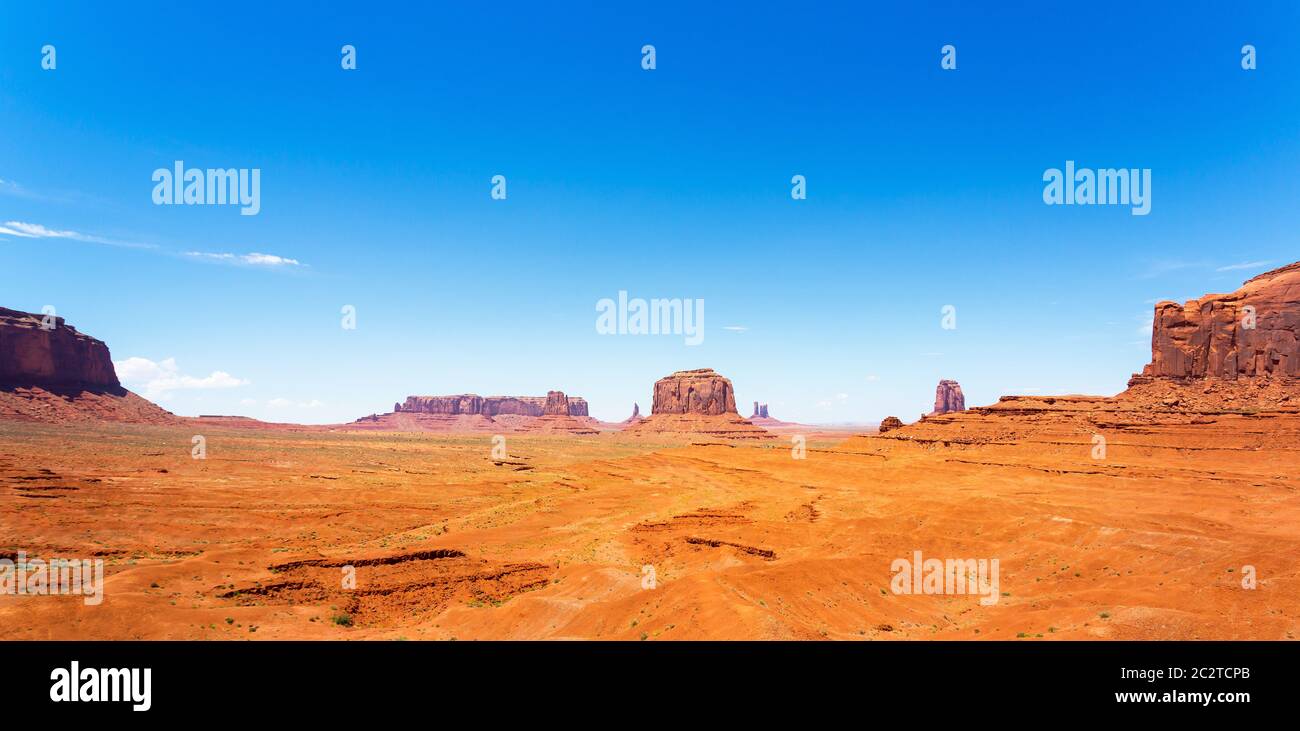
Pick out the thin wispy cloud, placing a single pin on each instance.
(24, 230)
(254, 259)
(735, 328)
(9, 187)
(1169, 266)
(1244, 265)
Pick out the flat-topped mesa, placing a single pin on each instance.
(948, 398)
(1251, 333)
(701, 391)
(473, 404)
(40, 351)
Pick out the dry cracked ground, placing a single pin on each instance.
(441, 541)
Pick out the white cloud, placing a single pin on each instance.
(873, 377)
(25, 230)
(735, 328)
(155, 380)
(35, 231)
(1244, 265)
(279, 403)
(1148, 321)
(253, 259)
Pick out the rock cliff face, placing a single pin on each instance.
(948, 398)
(1251, 333)
(701, 391)
(473, 404)
(31, 355)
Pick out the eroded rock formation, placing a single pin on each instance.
(948, 398)
(760, 411)
(890, 423)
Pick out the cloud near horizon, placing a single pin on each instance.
(158, 379)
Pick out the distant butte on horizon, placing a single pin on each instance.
(51, 372)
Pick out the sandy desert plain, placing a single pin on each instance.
(1196, 486)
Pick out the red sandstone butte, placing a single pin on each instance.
(30, 354)
(701, 391)
(948, 398)
(699, 401)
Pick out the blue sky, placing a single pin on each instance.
(924, 190)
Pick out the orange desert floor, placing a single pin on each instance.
(744, 540)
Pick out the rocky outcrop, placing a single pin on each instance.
(760, 411)
(1249, 334)
(32, 354)
(890, 423)
(701, 391)
(948, 398)
(636, 414)
(475, 405)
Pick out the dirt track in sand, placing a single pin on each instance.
(746, 542)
